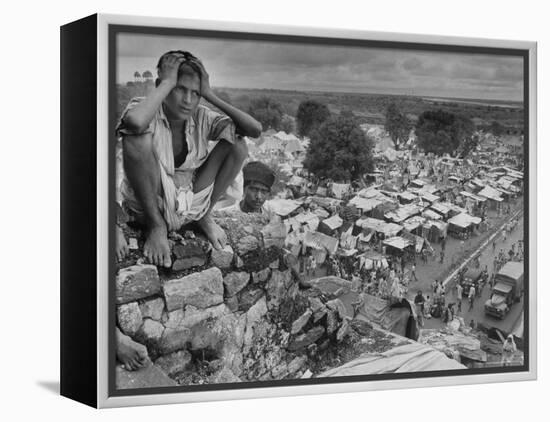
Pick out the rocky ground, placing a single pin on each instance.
(240, 314)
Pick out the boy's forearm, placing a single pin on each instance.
(246, 124)
(142, 114)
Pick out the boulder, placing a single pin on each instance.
(249, 297)
(234, 282)
(280, 288)
(150, 332)
(202, 289)
(253, 317)
(129, 318)
(152, 308)
(331, 287)
(149, 377)
(174, 339)
(343, 331)
(338, 306)
(136, 282)
(225, 376)
(222, 258)
(188, 254)
(296, 364)
(304, 340)
(174, 363)
(261, 276)
(361, 327)
(247, 244)
(301, 322)
(232, 303)
(193, 315)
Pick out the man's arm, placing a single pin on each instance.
(245, 124)
(138, 118)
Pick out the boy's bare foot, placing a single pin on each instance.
(121, 245)
(213, 231)
(156, 248)
(131, 354)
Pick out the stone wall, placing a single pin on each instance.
(234, 315)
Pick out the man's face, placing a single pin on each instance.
(255, 194)
(184, 98)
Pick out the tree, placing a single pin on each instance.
(267, 111)
(288, 124)
(441, 132)
(310, 115)
(147, 75)
(496, 128)
(469, 145)
(339, 150)
(397, 125)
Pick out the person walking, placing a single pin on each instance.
(459, 291)
(471, 297)
(413, 272)
(419, 301)
(508, 349)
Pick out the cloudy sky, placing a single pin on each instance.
(276, 65)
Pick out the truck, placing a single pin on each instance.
(507, 290)
(471, 277)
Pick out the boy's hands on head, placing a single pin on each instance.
(205, 78)
(168, 71)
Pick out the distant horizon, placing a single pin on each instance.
(423, 96)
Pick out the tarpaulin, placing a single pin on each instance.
(413, 357)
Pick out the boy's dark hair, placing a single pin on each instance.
(187, 63)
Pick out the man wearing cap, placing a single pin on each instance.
(258, 179)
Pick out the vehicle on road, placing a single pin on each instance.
(507, 290)
(472, 276)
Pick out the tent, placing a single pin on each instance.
(284, 207)
(340, 189)
(371, 259)
(365, 204)
(491, 193)
(412, 357)
(398, 242)
(403, 212)
(319, 240)
(332, 223)
(464, 221)
(379, 226)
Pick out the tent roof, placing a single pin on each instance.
(319, 241)
(380, 226)
(284, 207)
(397, 242)
(365, 204)
(333, 222)
(490, 193)
(464, 220)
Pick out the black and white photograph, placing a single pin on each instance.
(300, 210)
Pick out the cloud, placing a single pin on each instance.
(259, 64)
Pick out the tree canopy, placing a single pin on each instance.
(441, 132)
(310, 115)
(267, 111)
(339, 150)
(397, 125)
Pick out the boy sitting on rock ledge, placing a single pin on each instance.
(169, 178)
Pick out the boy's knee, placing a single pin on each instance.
(240, 149)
